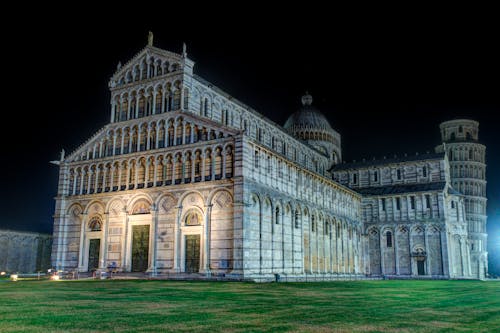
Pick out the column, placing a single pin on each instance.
(193, 162)
(163, 90)
(81, 255)
(120, 172)
(89, 180)
(157, 138)
(175, 134)
(103, 262)
(154, 216)
(83, 173)
(148, 135)
(123, 141)
(428, 252)
(382, 261)
(207, 239)
(396, 256)
(155, 172)
(113, 110)
(183, 132)
(177, 246)
(462, 254)
(203, 166)
(129, 107)
(137, 163)
(153, 110)
(112, 177)
(174, 161)
(223, 167)
(104, 174)
(192, 133)
(124, 242)
(75, 176)
(146, 173)
(212, 162)
(139, 130)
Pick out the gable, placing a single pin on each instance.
(148, 63)
(106, 141)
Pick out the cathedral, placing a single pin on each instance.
(185, 180)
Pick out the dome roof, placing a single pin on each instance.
(307, 117)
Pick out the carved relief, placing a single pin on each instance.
(166, 204)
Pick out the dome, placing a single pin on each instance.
(307, 118)
(310, 125)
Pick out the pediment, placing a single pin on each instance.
(160, 61)
(105, 134)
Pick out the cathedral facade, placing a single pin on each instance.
(185, 179)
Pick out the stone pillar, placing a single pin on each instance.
(154, 250)
(125, 240)
(103, 262)
(396, 249)
(428, 252)
(382, 259)
(153, 110)
(183, 139)
(177, 245)
(223, 167)
(81, 253)
(207, 240)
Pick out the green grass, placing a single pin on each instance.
(178, 306)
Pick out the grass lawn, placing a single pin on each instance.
(179, 306)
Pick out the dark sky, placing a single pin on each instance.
(385, 86)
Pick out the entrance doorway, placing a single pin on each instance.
(420, 267)
(192, 253)
(94, 248)
(140, 248)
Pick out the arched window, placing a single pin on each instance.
(471, 154)
(193, 218)
(313, 224)
(277, 216)
(460, 129)
(375, 176)
(296, 219)
(398, 174)
(388, 236)
(424, 171)
(452, 137)
(205, 107)
(256, 160)
(354, 178)
(95, 224)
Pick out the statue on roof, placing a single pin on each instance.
(150, 39)
(184, 52)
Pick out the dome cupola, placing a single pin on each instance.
(310, 125)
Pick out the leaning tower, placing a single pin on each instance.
(468, 175)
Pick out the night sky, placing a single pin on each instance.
(383, 88)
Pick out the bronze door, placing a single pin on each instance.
(420, 267)
(140, 248)
(192, 253)
(94, 248)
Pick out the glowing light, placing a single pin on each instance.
(55, 277)
(13, 277)
(2, 273)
